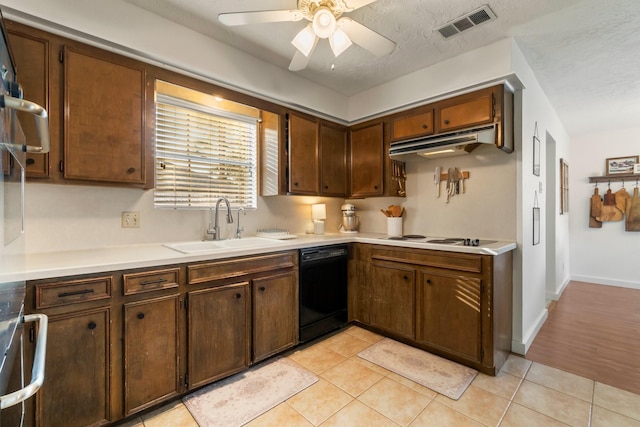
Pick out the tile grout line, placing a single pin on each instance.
(513, 396)
(593, 398)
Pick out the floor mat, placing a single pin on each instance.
(237, 400)
(441, 375)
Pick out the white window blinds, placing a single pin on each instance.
(203, 153)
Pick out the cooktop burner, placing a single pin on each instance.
(407, 237)
(460, 241)
(441, 240)
(446, 241)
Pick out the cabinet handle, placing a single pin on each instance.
(30, 162)
(70, 294)
(326, 187)
(446, 122)
(262, 289)
(131, 170)
(295, 184)
(152, 282)
(424, 126)
(140, 316)
(375, 187)
(92, 325)
(429, 281)
(238, 296)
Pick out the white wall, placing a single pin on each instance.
(606, 255)
(69, 217)
(530, 261)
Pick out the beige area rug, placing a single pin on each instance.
(236, 400)
(441, 375)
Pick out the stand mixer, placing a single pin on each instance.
(350, 220)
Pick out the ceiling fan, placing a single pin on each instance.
(325, 22)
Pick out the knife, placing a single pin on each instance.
(450, 186)
(436, 180)
(456, 179)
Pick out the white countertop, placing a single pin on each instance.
(69, 263)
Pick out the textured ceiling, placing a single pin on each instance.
(585, 53)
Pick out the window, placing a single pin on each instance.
(206, 148)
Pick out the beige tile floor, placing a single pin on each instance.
(354, 392)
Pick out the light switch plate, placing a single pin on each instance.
(130, 219)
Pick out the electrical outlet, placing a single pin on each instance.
(130, 219)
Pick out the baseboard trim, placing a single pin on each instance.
(555, 296)
(521, 347)
(608, 282)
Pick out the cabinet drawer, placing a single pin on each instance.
(440, 259)
(148, 281)
(72, 292)
(201, 273)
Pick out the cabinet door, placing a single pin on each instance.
(412, 126)
(31, 54)
(367, 161)
(449, 313)
(466, 111)
(303, 155)
(333, 160)
(218, 322)
(275, 314)
(103, 117)
(76, 388)
(393, 292)
(150, 352)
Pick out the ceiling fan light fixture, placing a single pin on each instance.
(305, 40)
(339, 42)
(324, 23)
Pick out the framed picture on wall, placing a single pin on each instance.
(621, 165)
(536, 226)
(564, 187)
(536, 155)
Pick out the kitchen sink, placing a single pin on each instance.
(202, 246)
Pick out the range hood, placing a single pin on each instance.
(444, 144)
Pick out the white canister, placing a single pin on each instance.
(394, 226)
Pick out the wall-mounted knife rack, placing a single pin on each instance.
(445, 175)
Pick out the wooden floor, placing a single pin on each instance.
(593, 331)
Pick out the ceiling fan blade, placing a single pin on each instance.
(259, 17)
(351, 5)
(375, 43)
(300, 61)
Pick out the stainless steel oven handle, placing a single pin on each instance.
(42, 122)
(37, 372)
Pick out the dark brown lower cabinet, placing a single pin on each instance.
(151, 350)
(76, 387)
(456, 305)
(275, 314)
(122, 342)
(218, 339)
(393, 295)
(449, 307)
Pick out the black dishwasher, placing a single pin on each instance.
(323, 290)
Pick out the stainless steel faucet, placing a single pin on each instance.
(239, 229)
(215, 231)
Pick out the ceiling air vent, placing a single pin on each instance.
(466, 22)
